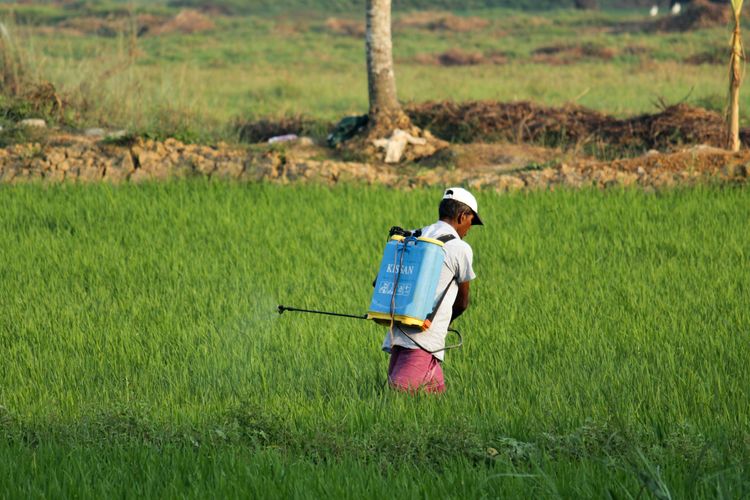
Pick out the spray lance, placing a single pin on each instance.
(281, 310)
(405, 289)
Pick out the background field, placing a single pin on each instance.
(605, 347)
(272, 62)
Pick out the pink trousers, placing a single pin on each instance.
(412, 370)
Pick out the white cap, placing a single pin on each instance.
(465, 197)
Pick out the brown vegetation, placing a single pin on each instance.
(697, 15)
(571, 53)
(569, 125)
(529, 123)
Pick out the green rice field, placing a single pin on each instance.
(606, 348)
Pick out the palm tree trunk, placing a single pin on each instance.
(385, 110)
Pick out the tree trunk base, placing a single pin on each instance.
(394, 139)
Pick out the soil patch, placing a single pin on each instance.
(440, 21)
(458, 57)
(570, 125)
(571, 53)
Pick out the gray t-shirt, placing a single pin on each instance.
(457, 264)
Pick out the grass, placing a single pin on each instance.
(604, 348)
(195, 87)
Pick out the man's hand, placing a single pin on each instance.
(462, 300)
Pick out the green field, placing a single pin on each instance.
(197, 87)
(606, 346)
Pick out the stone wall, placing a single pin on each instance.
(81, 160)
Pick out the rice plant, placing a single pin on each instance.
(605, 348)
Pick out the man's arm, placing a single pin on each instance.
(462, 300)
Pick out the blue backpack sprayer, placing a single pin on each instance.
(405, 289)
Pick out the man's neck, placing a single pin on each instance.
(451, 223)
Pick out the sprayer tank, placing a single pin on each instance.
(407, 281)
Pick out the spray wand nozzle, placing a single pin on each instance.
(281, 310)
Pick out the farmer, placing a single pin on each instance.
(415, 354)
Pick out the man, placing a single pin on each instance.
(415, 354)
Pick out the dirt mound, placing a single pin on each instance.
(440, 21)
(458, 57)
(487, 121)
(698, 14)
(346, 27)
(187, 21)
(571, 53)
